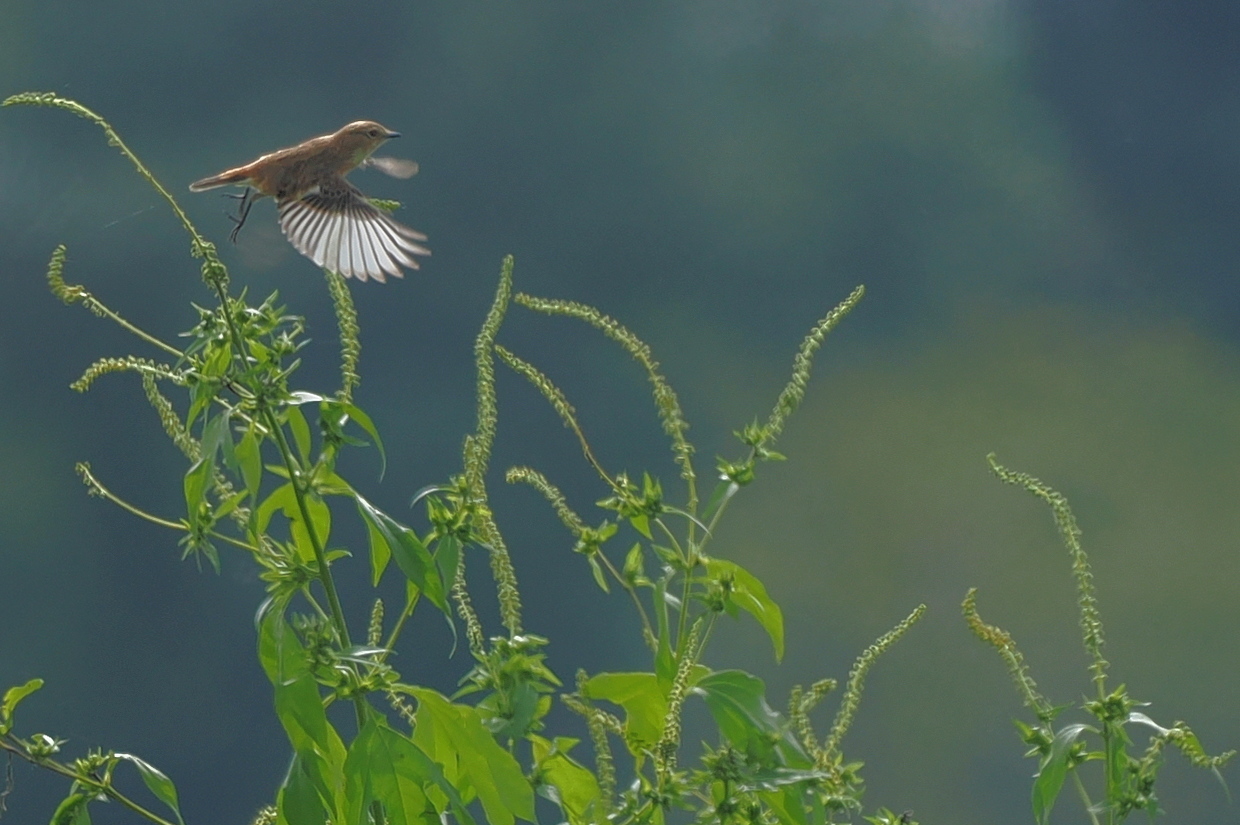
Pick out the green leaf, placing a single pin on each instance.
(281, 499)
(409, 552)
(1053, 771)
(386, 766)
(297, 802)
(567, 783)
(380, 553)
(1141, 719)
(72, 811)
(279, 650)
(634, 565)
(300, 709)
(320, 518)
(197, 477)
(644, 701)
(1117, 760)
(250, 462)
(722, 493)
(407, 758)
(201, 395)
(229, 504)
(327, 483)
(668, 556)
(737, 701)
(363, 421)
(216, 436)
(301, 433)
(157, 782)
(12, 697)
(454, 736)
(748, 593)
(664, 661)
(284, 499)
(377, 769)
(599, 578)
(448, 557)
(788, 805)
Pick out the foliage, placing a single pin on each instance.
(1128, 780)
(262, 471)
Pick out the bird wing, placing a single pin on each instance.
(337, 228)
(396, 167)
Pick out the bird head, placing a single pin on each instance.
(362, 137)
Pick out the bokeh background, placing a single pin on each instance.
(1041, 197)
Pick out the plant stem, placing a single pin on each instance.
(641, 610)
(410, 604)
(320, 556)
(85, 779)
(286, 455)
(1089, 806)
(103, 491)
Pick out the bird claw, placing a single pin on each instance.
(243, 212)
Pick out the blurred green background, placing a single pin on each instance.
(1041, 198)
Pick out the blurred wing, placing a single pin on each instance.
(337, 228)
(396, 167)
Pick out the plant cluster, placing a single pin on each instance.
(262, 477)
(262, 470)
(1127, 779)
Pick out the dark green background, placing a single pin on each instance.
(1041, 198)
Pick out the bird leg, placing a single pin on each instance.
(243, 211)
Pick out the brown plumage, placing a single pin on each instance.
(325, 217)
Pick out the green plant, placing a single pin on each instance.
(1128, 780)
(260, 481)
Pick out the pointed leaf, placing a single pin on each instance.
(750, 595)
(409, 552)
(72, 811)
(216, 437)
(158, 783)
(300, 709)
(568, 783)
(380, 553)
(279, 651)
(363, 421)
(301, 433)
(297, 802)
(370, 773)
(197, 477)
(250, 462)
(641, 523)
(451, 733)
(12, 697)
(787, 804)
(737, 701)
(664, 661)
(1053, 771)
(597, 570)
(320, 519)
(722, 493)
(644, 701)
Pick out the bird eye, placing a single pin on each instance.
(373, 133)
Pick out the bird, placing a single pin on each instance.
(325, 217)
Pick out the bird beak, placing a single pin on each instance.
(393, 134)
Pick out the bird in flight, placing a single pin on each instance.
(325, 217)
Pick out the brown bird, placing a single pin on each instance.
(324, 216)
